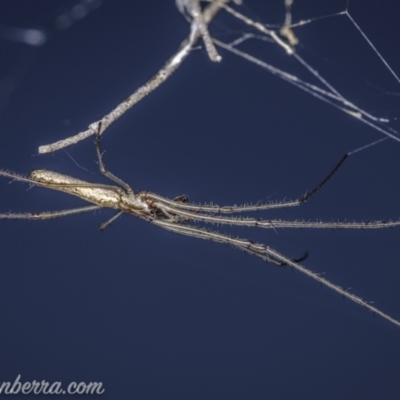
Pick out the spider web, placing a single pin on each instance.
(357, 93)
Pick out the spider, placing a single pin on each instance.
(180, 216)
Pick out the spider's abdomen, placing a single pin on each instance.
(101, 196)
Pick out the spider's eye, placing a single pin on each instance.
(182, 199)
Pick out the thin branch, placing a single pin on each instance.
(162, 75)
(193, 9)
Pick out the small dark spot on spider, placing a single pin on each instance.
(182, 199)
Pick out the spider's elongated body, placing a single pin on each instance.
(180, 216)
(101, 195)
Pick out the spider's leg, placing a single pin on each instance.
(298, 259)
(345, 293)
(210, 208)
(48, 215)
(301, 200)
(102, 167)
(258, 207)
(311, 192)
(202, 233)
(21, 178)
(320, 224)
(268, 254)
(110, 221)
(270, 224)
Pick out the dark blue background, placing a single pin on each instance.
(154, 315)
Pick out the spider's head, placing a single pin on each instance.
(136, 204)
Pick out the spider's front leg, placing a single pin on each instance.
(102, 167)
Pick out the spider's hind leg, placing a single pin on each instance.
(102, 167)
(295, 260)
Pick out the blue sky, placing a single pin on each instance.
(154, 315)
